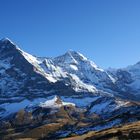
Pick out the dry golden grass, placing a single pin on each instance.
(25, 139)
(123, 132)
(42, 131)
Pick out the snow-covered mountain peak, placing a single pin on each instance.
(134, 70)
(76, 55)
(67, 58)
(10, 49)
(80, 58)
(74, 58)
(135, 66)
(71, 57)
(6, 45)
(82, 73)
(6, 40)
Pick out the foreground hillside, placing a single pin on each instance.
(126, 132)
(55, 119)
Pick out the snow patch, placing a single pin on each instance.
(80, 86)
(80, 102)
(55, 103)
(15, 107)
(74, 67)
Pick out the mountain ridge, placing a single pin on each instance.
(76, 68)
(97, 98)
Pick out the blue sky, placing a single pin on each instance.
(106, 31)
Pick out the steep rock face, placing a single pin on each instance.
(79, 67)
(18, 76)
(21, 74)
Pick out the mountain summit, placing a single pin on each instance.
(72, 69)
(6, 41)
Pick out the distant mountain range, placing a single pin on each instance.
(52, 98)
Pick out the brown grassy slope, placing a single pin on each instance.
(126, 132)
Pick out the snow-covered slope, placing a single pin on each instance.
(134, 70)
(127, 81)
(72, 68)
(82, 70)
